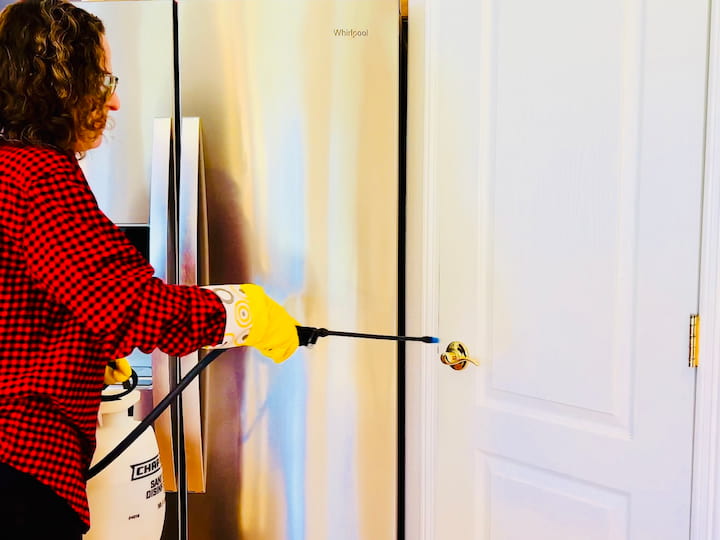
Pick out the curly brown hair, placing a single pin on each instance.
(52, 68)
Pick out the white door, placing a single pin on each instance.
(555, 169)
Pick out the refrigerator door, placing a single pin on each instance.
(298, 103)
(140, 36)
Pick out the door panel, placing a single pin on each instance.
(561, 138)
(565, 145)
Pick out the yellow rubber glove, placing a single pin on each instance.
(256, 320)
(273, 330)
(118, 371)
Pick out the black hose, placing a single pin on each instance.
(153, 415)
(128, 386)
(307, 335)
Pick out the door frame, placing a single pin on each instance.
(423, 302)
(705, 508)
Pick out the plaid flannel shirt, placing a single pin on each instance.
(74, 294)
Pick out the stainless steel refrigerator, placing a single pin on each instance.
(292, 141)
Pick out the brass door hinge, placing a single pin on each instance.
(693, 357)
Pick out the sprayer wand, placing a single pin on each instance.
(307, 336)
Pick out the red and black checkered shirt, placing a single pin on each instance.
(74, 294)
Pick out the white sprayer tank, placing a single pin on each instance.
(127, 499)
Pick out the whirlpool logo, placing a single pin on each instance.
(350, 32)
(146, 468)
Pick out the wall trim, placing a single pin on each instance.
(705, 506)
(422, 278)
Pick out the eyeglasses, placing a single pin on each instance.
(110, 83)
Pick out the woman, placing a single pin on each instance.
(74, 293)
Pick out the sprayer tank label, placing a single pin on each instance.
(156, 487)
(146, 468)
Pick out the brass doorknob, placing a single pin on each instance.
(456, 356)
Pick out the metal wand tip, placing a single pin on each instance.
(434, 340)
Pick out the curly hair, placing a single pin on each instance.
(52, 68)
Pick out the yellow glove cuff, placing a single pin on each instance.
(238, 319)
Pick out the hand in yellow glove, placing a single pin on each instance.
(273, 331)
(256, 320)
(117, 371)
